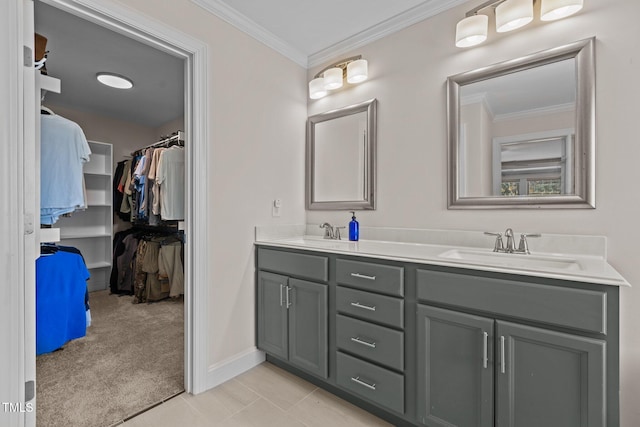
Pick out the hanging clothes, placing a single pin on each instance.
(63, 151)
(61, 286)
(170, 178)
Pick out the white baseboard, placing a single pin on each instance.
(233, 366)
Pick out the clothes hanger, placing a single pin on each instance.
(46, 110)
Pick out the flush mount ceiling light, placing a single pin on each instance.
(114, 80)
(354, 69)
(509, 15)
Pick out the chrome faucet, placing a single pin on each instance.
(510, 247)
(328, 231)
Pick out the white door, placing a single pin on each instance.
(18, 204)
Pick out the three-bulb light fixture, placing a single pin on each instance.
(510, 15)
(354, 69)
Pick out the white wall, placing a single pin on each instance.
(408, 72)
(257, 101)
(125, 136)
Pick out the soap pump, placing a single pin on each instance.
(354, 228)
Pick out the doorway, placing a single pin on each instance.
(193, 53)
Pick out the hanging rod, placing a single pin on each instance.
(178, 137)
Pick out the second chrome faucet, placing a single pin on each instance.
(510, 246)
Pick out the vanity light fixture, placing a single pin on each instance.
(510, 15)
(114, 80)
(354, 69)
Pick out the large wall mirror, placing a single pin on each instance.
(522, 132)
(341, 158)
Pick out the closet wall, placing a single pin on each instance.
(125, 136)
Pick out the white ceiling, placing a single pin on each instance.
(308, 32)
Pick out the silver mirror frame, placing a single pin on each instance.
(369, 199)
(585, 133)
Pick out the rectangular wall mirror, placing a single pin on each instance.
(341, 158)
(522, 132)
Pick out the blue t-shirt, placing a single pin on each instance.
(63, 150)
(61, 283)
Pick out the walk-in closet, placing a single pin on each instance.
(110, 284)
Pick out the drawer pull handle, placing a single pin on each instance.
(288, 300)
(366, 307)
(281, 286)
(363, 342)
(357, 380)
(363, 276)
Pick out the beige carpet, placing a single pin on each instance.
(131, 358)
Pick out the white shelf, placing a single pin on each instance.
(49, 235)
(95, 265)
(49, 83)
(91, 230)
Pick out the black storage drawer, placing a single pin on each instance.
(369, 306)
(378, 344)
(580, 309)
(294, 264)
(385, 279)
(372, 382)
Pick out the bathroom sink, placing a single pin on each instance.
(511, 260)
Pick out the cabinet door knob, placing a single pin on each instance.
(503, 367)
(281, 285)
(485, 350)
(288, 297)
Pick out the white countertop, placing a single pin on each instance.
(576, 267)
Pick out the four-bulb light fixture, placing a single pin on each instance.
(354, 69)
(510, 15)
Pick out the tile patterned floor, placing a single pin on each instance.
(264, 396)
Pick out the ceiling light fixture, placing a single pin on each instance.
(114, 80)
(510, 15)
(354, 69)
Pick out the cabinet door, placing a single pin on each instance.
(455, 368)
(272, 314)
(548, 378)
(308, 326)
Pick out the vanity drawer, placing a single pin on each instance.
(372, 342)
(381, 278)
(372, 382)
(369, 306)
(294, 264)
(569, 307)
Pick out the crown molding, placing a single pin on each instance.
(392, 25)
(250, 27)
(396, 23)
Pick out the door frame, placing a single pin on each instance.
(194, 52)
(139, 27)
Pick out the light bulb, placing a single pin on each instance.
(551, 10)
(472, 30)
(513, 14)
(316, 88)
(333, 78)
(357, 71)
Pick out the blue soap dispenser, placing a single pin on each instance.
(354, 228)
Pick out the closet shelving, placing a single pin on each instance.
(91, 230)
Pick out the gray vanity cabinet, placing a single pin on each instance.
(455, 368)
(548, 378)
(292, 318)
(469, 364)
